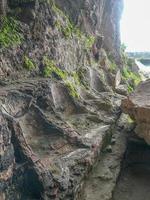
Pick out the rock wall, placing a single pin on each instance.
(102, 17)
(59, 68)
(41, 26)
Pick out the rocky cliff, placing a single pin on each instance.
(33, 30)
(137, 106)
(60, 75)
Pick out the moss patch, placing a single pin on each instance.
(130, 121)
(68, 29)
(127, 74)
(10, 33)
(72, 89)
(71, 80)
(29, 64)
(113, 66)
(134, 79)
(51, 69)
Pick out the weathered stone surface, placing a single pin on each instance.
(137, 105)
(49, 138)
(122, 89)
(38, 23)
(101, 182)
(54, 128)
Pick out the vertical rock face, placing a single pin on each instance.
(111, 26)
(98, 16)
(55, 119)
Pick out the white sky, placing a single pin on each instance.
(135, 25)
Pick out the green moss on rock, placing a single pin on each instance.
(50, 68)
(72, 89)
(29, 64)
(10, 33)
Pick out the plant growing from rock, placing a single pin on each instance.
(132, 78)
(71, 80)
(28, 63)
(10, 34)
(51, 69)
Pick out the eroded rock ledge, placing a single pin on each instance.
(49, 141)
(137, 105)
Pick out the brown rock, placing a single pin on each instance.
(137, 105)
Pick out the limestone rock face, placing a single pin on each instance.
(137, 105)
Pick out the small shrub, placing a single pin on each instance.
(130, 121)
(134, 78)
(76, 78)
(113, 66)
(66, 29)
(71, 80)
(51, 68)
(28, 63)
(72, 89)
(9, 33)
(78, 32)
(130, 88)
(127, 74)
(89, 41)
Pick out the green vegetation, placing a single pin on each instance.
(89, 41)
(72, 87)
(28, 63)
(76, 78)
(10, 34)
(78, 32)
(130, 89)
(133, 78)
(127, 74)
(68, 29)
(50, 69)
(123, 47)
(113, 66)
(130, 121)
(124, 56)
(81, 77)
(71, 80)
